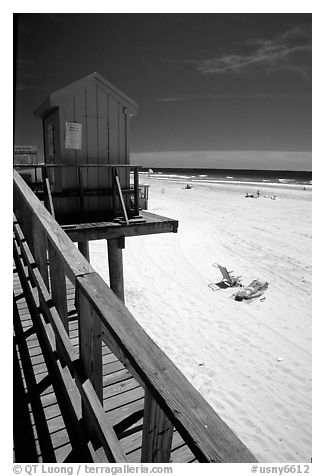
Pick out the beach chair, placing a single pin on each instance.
(227, 277)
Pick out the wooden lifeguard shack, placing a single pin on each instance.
(86, 148)
(89, 185)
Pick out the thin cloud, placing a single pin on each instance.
(243, 95)
(289, 51)
(169, 99)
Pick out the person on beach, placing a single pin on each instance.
(255, 289)
(258, 193)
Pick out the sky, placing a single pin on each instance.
(206, 84)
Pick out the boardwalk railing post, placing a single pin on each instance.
(58, 285)
(40, 249)
(24, 218)
(90, 348)
(157, 433)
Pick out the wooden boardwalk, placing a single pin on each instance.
(40, 426)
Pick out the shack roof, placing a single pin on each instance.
(56, 98)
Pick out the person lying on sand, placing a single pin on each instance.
(254, 289)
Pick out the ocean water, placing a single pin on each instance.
(258, 177)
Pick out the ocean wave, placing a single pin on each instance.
(183, 179)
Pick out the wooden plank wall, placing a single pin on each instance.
(91, 121)
(69, 176)
(104, 177)
(79, 114)
(104, 141)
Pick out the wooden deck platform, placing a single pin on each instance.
(149, 224)
(42, 428)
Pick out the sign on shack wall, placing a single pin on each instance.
(25, 154)
(73, 135)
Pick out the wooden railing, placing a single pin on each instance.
(40, 181)
(170, 400)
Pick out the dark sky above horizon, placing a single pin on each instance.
(202, 81)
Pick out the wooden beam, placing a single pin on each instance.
(115, 264)
(90, 342)
(58, 285)
(47, 192)
(40, 250)
(121, 198)
(90, 349)
(157, 433)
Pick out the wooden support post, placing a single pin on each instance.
(58, 285)
(136, 190)
(157, 433)
(40, 250)
(90, 351)
(83, 247)
(115, 263)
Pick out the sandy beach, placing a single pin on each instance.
(251, 360)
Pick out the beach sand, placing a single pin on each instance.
(251, 360)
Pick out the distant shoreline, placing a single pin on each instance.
(223, 170)
(260, 178)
